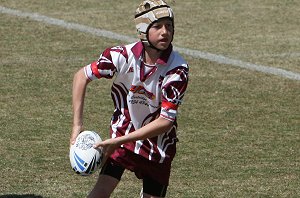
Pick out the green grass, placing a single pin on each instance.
(238, 129)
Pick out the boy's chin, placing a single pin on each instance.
(162, 47)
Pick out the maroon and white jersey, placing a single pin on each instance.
(141, 93)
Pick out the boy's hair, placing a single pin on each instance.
(148, 12)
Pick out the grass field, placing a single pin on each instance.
(239, 130)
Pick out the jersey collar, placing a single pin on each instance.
(138, 48)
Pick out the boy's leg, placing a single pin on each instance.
(104, 187)
(153, 189)
(108, 180)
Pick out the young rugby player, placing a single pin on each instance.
(150, 80)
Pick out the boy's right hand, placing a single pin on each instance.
(75, 132)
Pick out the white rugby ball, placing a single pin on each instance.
(85, 160)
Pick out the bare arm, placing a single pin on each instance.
(155, 128)
(78, 93)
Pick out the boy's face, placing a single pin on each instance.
(160, 34)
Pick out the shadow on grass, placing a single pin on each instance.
(20, 196)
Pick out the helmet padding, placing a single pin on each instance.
(148, 12)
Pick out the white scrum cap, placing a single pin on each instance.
(148, 12)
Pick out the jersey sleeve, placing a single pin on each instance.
(173, 89)
(107, 64)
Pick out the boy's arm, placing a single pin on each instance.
(154, 128)
(80, 82)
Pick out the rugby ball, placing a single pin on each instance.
(85, 160)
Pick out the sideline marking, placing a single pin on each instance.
(111, 35)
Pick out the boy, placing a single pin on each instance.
(149, 84)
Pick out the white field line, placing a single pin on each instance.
(111, 35)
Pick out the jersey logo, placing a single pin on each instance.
(143, 91)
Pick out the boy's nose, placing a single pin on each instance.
(164, 29)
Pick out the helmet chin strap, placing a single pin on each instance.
(153, 47)
(146, 43)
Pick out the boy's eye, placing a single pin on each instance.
(169, 25)
(158, 26)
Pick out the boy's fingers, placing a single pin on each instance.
(72, 141)
(97, 145)
(74, 135)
